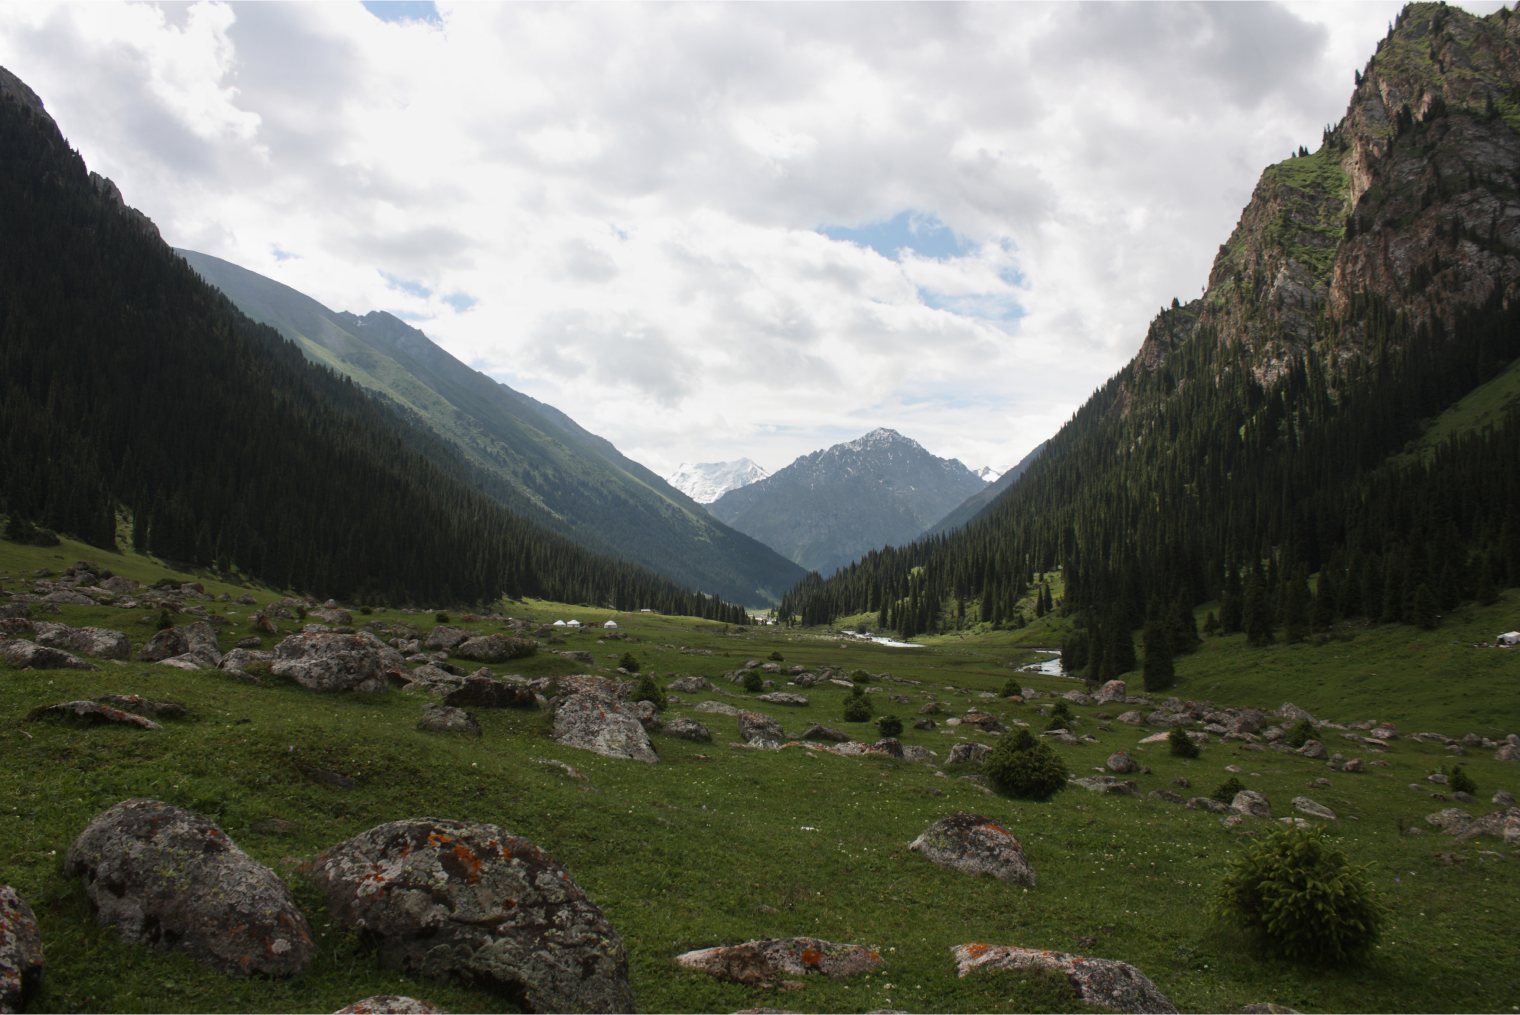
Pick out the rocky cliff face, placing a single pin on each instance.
(1412, 199)
(828, 508)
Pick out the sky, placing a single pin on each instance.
(712, 231)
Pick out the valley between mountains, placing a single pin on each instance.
(336, 675)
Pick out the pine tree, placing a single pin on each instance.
(1487, 592)
(1257, 611)
(1159, 672)
(1296, 606)
(1423, 609)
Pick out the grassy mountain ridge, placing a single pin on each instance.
(527, 454)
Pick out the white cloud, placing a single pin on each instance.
(631, 195)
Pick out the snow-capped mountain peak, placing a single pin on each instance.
(705, 482)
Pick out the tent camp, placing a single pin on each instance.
(1509, 640)
(611, 625)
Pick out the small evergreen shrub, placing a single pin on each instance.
(649, 691)
(1461, 782)
(164, 620)
(629, 662)
(440, 616)
(1011, 688)
(753, 681)
(366, 610)
(861, 676)
(890, 726)
(1060, 717)
(857, 710)
(1023, 766)
(777, 657)
(1210, 625)
(1226, 793)
(1302, 898)
(1181, 744)
(1301, 733)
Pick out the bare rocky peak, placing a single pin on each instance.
(13, 87)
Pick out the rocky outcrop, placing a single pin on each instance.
(171, 880)
(21, 958)
(760, 962)
(22, 654)
(602, 723)
(446, 639)
(92, 712)
(685, 729)
(975, 845)
(755, 727)
(477, 691)
(1101, 982)
(330, 662)
(100, 642)
(444, 898)
(495, 648)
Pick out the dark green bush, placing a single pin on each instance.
(301, 612)
(857, 710)
(1226, 793)
(1301, 733)
(164, 620)
(1302, 898)
(1461, 782)
(1060, 717)
(629, 662)
(1181, 744)
(649, 691)
(440, 616)
(861, 676)
(777, 657)
(1023, 766)
(1011, 688)
(753, 681)
(366, 610)
(890, 726)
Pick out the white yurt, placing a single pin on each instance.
(574, 623)
(611, 625)
(559, 623)
(1509, 640)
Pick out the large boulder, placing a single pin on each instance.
(22, 654)
(476, 691)
(495, 648)
(1291, 713)
(976, 754)
(685, 729)
(20, 950)
(447, 719)
(1134, 717)
(332, 615)
(975, 845)
(444, 898)
(1121, 763)
(390, 1004)
(240, 659)
(817, 732)
(92, 712)
(766, 960)
(100, 642)
(330, 662)
(603, 724)
(1101, 982)
(1108, 784)
(690, 685)
(1313, 808)
(119, 585)
(783, 698)
(171, 880)
(200, 641)
(446, 639)
(1114, 690)
(757, 728)
(1313, 749)
(1252, 804)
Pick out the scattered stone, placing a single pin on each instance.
(1100, 982)
(1295, 822)
(1313, 749)
(332, 615)
(685, 729)
(1293, 714)
(1203, 803)
(976, 754)
(691, 685)
(253, 641)
(890, 746)
(443, 898)
(446, 639)
(171, 880)
(1437, 778)
(477, 691)
(1077, 698)
(816, 732)
(1182, 781)
(975, 845)
(93, 712)
(1114, 690)
(720, 707)
(1122, 764)
(448, 719)
(1503, 824)
(1509, 752)
(330, 662)
(647, 715)
(21, 959)
(138, 705)
(925, 724)
(1134, 717)
(763, 962)
(1251, 804)
(918, 755)
(22, 654)
(99, 642)
(1165, 796)
(390, 1004)
(755, 727)
(1504, 798)
(1108, 784)
(494, 648)
(783, 698)
(1312, 808)
(1354, 765)
(600, 723)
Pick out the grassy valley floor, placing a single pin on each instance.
(717, 845)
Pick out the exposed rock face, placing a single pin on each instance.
(476, 691)
(171, 880)
(603, 724)
(495, 648)
(446, 639)
(99, 642)
(685, 729)
(21, 959)
(975, 845)
(1104, 982)
(453, 898)
(22, 654)
(447, 719)
(330, 662)
(755, 727)
(756, 962)
(92, 712)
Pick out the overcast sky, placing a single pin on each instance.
(710, 231)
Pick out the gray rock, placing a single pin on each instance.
(165, 644)
(1504, 798)
(1077, 698)
(1252, 804)
(1312, 808)
(919, 755)
(925, 724)
(1134, 717)
(783, 698)
(647, 715)
(448, 719)
(68, 598)
(239, 659)
(93, 712)
(200, 642)
(975, 845)
(1452, 819)
(1291, 713)
(1108, 784)
(332, 615)
(447, 898)
(21, 959)
(1114, 690)
(1164, 796)
(816, 732)
(717, 706)
(599, 723)
(22, 654)
(685, 729)
(1122, 764)
(446, 639)
(889, 745)
(100, 642)
(976, 754)
(762, 962)
(755, 728)
(495, 648)
(1100, 982)
(138, 705)
(1437, 778)
(1313, 749)
(1509, 752)
(390, 1004)
(1203, 803)
(1251, 720)
(477, 691)
(690, 685)
(1182, 781)
(330, 662)
(171, 880)
(1503, 825)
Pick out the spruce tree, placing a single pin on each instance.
(1159, 672)
(1296, 606)
(1257, 611)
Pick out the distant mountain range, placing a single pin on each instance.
(982, 499)
(988, 474)
(705, 482)
(830, 507)
(528, 455)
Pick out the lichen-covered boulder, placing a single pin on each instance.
(171, 880)
(976, 754)
(1121, 763)
(495, 648)
(1104, 982)
(92, 712)
(975, 845)
(446, 639)
(1313, 808)
(330, 662)
(1252, 804)
(444, 898)
(690, 685)
(605, 725)
(22, 654)
(476, 691)
(447, 719)
(200, 640)
(783, 698)
(390, 1004)
(332, 615)
(1108, 784)
(20, 950)
(100, 642)
(756, 728)
(1114, 690)
(685, 729)
(763, 961)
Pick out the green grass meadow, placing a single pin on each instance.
(717, 845)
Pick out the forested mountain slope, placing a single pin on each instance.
(975, 504)
(127, 383)
(1369, 286)
(827, 508)
(525, 453)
